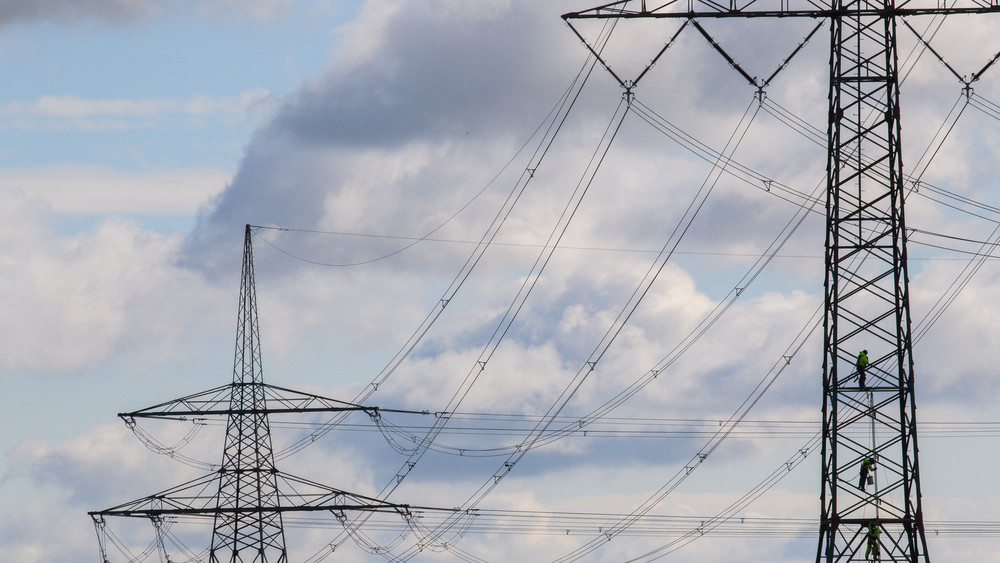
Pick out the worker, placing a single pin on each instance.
(862, 367)
(873, 533)
(866, 465)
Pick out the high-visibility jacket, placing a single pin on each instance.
(868, 464)
(873, 533)
(862, 359)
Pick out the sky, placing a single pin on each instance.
(375, 142)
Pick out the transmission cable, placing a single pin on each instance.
(426, 236)
(686, 343)
(679, 477)
(613, 331)
(592, 366)
(584, 550)
(529, 282)
(515, 307)
(565, 104)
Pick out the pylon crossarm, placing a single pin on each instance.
(278, 400)
(311, 494)
(212, 512)
(198, 498)
(195, 403)
(197, 495)
(703, 9)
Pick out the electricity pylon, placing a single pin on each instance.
(867, 294)
(247, 495)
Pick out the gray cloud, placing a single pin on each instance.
(421, 105)
(414, 92)
(70, 10)
(124, 11)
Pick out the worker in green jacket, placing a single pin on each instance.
(873, 533)
(862, 367)
(866, 465)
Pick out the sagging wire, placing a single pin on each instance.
(468, 519)
(565, 106)
(107, 535)
(367, 544)
(176, 541)
(615, 329)
(706, 323)
(426, 236)
(567, 103)
(498, 424)
(172, 451)
(729, 513)
(520, 299)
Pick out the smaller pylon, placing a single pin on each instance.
(247, 495)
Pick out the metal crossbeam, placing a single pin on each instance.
(704, 9)
(278, 400)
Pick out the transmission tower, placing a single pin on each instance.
(246, 496)
(867, 295)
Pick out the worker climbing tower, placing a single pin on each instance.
(867, 293)
(246, 496)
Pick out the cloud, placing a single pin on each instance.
(97, 190)
(426, 87)
(124, 11)
(76, 300)
(409, 123)
(103, 466)
(420, 106)
(69, 10)
(70, 112)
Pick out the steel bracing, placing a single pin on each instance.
(247, 477)
(246, 496)
(867, 307)
(867, 295)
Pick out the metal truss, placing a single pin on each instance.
(247, 495)
(867, 295)
(697, 9)
(867, 306)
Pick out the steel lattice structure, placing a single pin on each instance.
(248, 477)
(246, 496)
(867, 295)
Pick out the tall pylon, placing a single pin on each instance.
(248, 477)
(246, 495)
(866, 282)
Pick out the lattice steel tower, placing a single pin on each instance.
(248, 477)
(246, 496)
(867, 295)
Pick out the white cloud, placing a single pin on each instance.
(68, 112)
(99, 190)
(73, 301)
